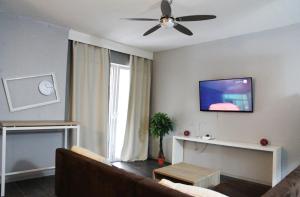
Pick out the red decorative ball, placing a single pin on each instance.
(264, 142)
(186, 133)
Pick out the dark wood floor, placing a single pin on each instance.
(143, 168)
(41, 187)
(44, 187)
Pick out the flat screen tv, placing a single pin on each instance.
(226, 95)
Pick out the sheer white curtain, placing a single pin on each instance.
(135, 145)
(118, 107)
(89, 95)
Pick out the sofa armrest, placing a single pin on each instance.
(288, 187)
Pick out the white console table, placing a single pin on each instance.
(31, 126)
(177, 151)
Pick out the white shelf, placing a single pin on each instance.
(177, 151)
(251, 146)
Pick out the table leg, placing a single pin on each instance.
(66, 138)
(78, 136)
(177, 151)
(276, 172)
(3, 161)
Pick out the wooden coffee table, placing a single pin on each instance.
(188, 174)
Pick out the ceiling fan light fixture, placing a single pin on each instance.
(167, 22)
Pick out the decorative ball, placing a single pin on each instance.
(264, 142)
(186, 133)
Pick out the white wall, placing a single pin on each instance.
(272, 59)
(30, 47)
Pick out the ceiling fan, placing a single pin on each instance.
(168, 21)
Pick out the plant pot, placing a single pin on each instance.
(161, 161)
(161, 158)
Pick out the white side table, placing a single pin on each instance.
(26, 126)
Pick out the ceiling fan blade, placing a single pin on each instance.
(141, 19)
(153, 29)
(166, 8)
(183, 29)
(195, 18)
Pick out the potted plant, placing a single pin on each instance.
(160, 125)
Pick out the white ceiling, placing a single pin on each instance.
(102, 18)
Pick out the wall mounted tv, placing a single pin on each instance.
(226, 95)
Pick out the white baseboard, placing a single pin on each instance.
(29, 175)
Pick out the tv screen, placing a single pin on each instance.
(226, 95)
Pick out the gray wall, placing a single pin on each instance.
(30, 47)
(272, 59)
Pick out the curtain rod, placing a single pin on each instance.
(104, 43)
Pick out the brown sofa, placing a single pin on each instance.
(79, 176)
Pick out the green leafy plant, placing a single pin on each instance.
(160, 125)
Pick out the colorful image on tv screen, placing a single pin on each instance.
(226, 95)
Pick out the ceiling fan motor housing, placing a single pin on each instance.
(167, 22)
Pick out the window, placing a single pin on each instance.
(118, 106)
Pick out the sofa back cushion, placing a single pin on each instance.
(150, 188)
(87, 153)
(190, 189)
